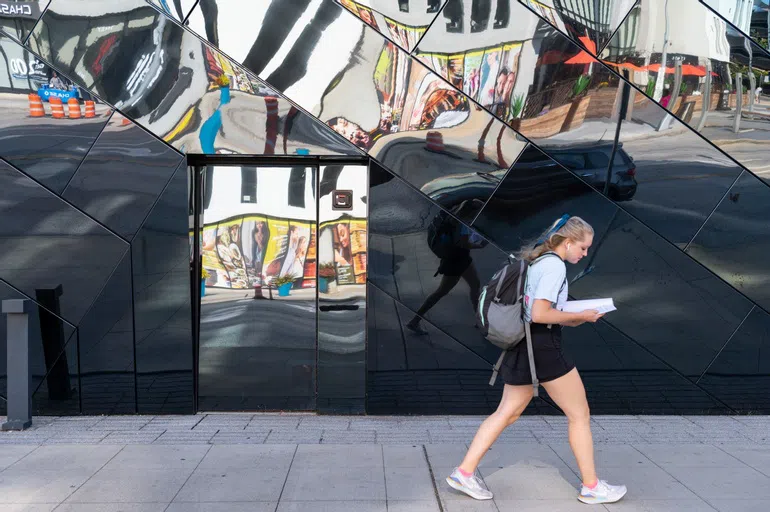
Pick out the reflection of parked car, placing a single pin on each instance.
(590, 161)
(537, 179)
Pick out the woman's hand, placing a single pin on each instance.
(590, 315)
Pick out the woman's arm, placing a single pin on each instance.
(543, 312)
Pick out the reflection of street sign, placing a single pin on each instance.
(29, 10)
(33, 69)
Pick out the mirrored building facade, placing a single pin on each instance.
(225, 205)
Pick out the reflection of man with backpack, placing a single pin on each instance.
(452, 242)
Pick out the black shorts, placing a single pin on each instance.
(550, 361)
(456, 264)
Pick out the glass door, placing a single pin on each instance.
(257, 338)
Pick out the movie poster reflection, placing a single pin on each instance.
(344, 260)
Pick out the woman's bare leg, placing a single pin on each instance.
(515, 399)
(570, 395)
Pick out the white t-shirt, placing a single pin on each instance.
(546, 279)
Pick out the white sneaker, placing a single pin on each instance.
(602, 493)
(470, 485)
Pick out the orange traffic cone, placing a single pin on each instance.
(57, 107)
(36, 108)
(74, 107)
(434, 141)
(90, 109)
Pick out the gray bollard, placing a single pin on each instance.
(19, 397)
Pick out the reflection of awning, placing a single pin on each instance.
(687, 69)
(584, 57)
(627, 65)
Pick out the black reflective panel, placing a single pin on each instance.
(341, 262)
(167, 80)
(534, 193)
(740, 375)
(704, 71)
(106, 336)
(736, 239)
(18, 17)
(377, 97)
(621, 376)
(443, 290)
(591, 22)
(666, 302)
(45, 243)
(405, 22)
(258, 309)
(122, 176)
(53, 359)
(48, 149)
(680, 177)
(178, 9)
(161, 272)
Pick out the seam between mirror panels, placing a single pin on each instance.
(729, 339)
(510, 168)
(187, 16)
(637, 3)
(85, 157)
(26, 38)
(36, 303)
(668, 112)
(719, 203)
(439, 13)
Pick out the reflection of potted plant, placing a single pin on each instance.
(517, 107)
(283, 283)
(326, 274)
(204, 275)
(579, 106)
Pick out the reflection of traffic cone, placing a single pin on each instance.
(57, 107)
(271, 124)
(434, 141)
(74, 107)
(125, 122)
(36, 108)
(90, 109)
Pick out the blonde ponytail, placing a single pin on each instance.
(572, 228)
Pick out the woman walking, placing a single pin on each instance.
(545, 292)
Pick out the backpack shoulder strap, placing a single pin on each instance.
(500, 283)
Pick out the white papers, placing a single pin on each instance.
(600, 305)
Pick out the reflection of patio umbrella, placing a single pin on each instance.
(629, 65)
(584, 57)
(687, 69)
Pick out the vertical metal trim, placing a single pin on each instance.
(196, 175)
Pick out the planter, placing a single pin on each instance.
(203, 287)
(515, 123)
(576, 114)
(284, 289)
(323, 285)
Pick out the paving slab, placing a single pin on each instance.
(234, 484)
(231, 506)
(131, 484)
(409, 484)
(13, 453)
(724, 483)
(333, 506)
(342, 484)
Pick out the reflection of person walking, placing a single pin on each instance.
(455, 263)
(545, 290)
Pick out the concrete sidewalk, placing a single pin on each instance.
(298, 462)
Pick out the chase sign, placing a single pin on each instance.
(19, 10)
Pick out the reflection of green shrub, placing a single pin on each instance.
(650, 90)
(284, 279)
(517, 106)
(682, 89)
(581, 84)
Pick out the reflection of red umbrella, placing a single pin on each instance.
(628, 65)
(584, 57)
(687, 69)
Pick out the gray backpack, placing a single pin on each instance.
(500, 313)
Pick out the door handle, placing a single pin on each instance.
(339, 307)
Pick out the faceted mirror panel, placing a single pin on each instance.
(715, 80)
(122, 176)
(405, 22)
(736, 239)
(18, 17)
(160, 254)
(106, 354)
(175, 85)
(748, 16)
(740, 375)
(47, 124)
(47, 245)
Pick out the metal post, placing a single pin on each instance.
(738, 102)
(621, 116)
(19, 396)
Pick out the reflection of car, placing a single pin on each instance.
(537, 179)
(590, 161)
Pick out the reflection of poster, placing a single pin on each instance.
(455, 70)
(256, 235)
(276, 247)
(490, 65)
(506, 79)
(440, 64)
(472, 77)
(348, 242)
(367, 17)
(350, 6)
(437, 105)
(296, 251)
